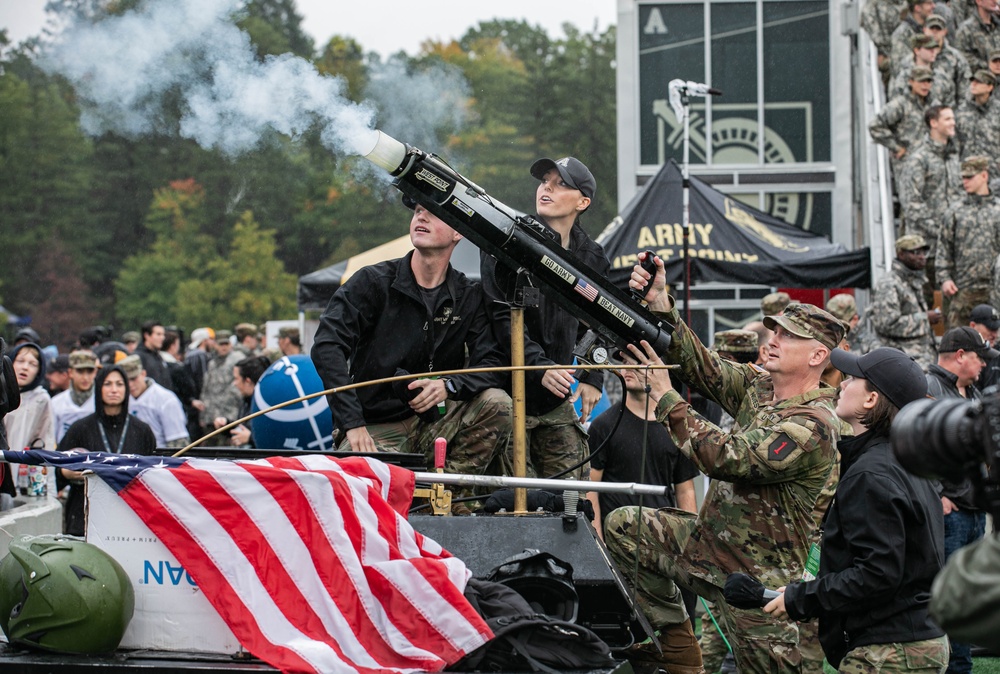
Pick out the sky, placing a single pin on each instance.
(406, 24)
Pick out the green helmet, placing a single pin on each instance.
(62, 594)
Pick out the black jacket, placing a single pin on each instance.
(86, 434)
(883, 543)
(551, 332)
(378, 322)
(155, 367)
(944, 384)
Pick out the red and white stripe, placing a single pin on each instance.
(311, 562)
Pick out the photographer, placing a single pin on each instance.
(883, 534)
(963, 355)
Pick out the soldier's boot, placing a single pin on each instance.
(680, 652)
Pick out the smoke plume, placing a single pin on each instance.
(189, 54)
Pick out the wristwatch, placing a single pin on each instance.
(449, 386)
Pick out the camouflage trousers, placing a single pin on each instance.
(713, 647)
(477, 431)
(961, 304)
(556, 440)
(761, 644)
(928, 656)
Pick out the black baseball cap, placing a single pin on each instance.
(894, 374)
(986, 315)
(573, 172)
(58, 364)
(966, 339)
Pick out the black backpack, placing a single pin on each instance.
(527, 641)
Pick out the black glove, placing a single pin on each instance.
(406, 395)
(746, 592)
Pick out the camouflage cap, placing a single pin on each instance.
(994, 55)
(974, 165)
(131, 337)
(842, 306)
(936, 21)
(288, 333)
(223, 335)
(985, 77)
(810, 322)
(911, 242)
(774, 303)
(83, 360)
(735, 341)
(132, 366)
(244, 330)
(921, 74)
(921, 41)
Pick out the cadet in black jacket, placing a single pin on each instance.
(417, 314)
(109, 429)
(556, 439)
(883, 536)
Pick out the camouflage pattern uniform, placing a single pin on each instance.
(773, 304)
(952, 68)
(218, 393)
(976, 40)
(943, 89)
(900, 44)
(899, 314)
(929, 656)
(766, 478)
(900, 124)
(468, 426)
(970, 243)
(978, 130)
(880, 18)
(929, 182)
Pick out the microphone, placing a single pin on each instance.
(698, 89)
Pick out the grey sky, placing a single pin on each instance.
(404, 24)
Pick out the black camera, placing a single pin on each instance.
(953, 439)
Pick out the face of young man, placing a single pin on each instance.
(82, 379)
(554, 199)
(913, 259)
(137, 385)
(944, 125)
(922, 88)
(977, 183)
(428, 232)
(26, 366)
(154, 340)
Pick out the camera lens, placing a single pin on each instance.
(938, 439)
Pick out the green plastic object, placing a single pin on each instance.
(62, 594)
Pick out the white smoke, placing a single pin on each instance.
(189, 53)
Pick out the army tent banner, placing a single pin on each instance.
(316, 288)
(729, 242)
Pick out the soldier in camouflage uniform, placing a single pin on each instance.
(950, 66)
(929, 181)
(217, 392)
(977, 119)
(900, 124)
(773, 304)
(844, 308)
(415, 314)
(912, 25)
(766, 475)
(979, 34)
(899, 312)
(970, 244)
(923, 53)
(879, 18)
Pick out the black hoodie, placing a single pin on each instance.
(86, 434)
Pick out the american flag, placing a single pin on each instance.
(309, 560)
(585, 289)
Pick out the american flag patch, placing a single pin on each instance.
(587, 290)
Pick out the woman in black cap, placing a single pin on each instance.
(883, 536)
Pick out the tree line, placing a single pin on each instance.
(115, 230)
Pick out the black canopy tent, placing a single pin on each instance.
(730, 242)
(316, 288)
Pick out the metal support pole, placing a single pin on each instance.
(518, 423)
